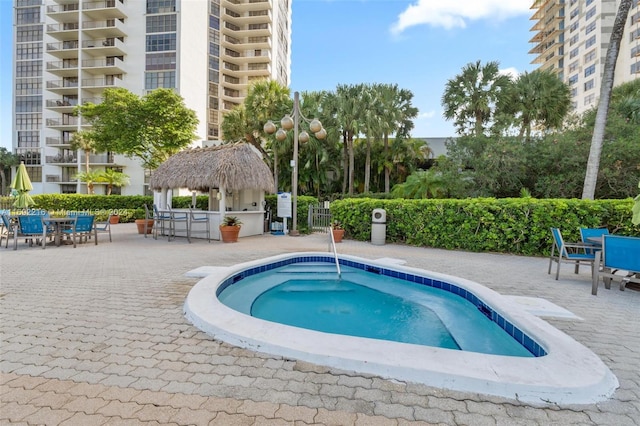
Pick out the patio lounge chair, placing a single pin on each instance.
(575, 253)
(619, 259)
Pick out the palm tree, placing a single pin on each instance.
(421, 184)
(593, 164)
(472, 97)
(349, 115)
(113, 178)
(82, 140)
(89, 177)
(539, 99)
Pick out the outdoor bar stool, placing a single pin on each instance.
(200, 217)
(178, 217)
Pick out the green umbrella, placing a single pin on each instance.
(22, 184)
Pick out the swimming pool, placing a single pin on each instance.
(562, 370)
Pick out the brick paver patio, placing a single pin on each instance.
(96, 335)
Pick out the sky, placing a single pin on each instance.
(416, 44)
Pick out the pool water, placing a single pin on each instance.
(365, 304)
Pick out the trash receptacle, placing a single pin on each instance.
(378, 227)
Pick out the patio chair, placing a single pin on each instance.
(619, 259)
(7, 229)
(200, 218)
(103, 227)
(32, 226)
(569, 253)
(175, 218)
(593, 233)
(82, 228)
(159, 218)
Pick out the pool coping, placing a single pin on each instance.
(569, 373)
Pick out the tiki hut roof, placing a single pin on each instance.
(232, 167)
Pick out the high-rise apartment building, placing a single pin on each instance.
(67, 52)
(572, 37)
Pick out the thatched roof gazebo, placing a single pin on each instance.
(232, 167)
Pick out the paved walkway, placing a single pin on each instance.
(96, 335)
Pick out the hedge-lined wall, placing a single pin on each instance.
(510, 225)
(507, 225)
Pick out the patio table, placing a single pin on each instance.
(59, 225)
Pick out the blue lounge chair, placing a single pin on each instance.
(82, 228)
(618, 260)
(575, 253)
(32, 226)
(589, 235)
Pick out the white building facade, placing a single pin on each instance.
(67, 52)
(572, 37)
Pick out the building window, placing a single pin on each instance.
(573, 66)
(35, 174)
(575, 12)
(635, 34)
(573, 79)
(574, 92)
(161, 42)
(28, 103)
(29, 33)
(214, 22)
(29, 69)
(28, 51)
(161, 6)
(161, 61)
(590, 56)
(635, 68)
(589, 70)
(590, 13)
(28, 16)
(573, 40)
(589, 85)
(29, 121)
(161, 23)
(574, 53)
(589, 28)
(166, 79)
(28, 139)
(588, 100)
(590, 42)
(573, 27)
(28, 86)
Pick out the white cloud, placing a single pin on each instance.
(427, 115)
(514, 73)
(456, 13)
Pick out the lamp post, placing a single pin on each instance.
(288, 123)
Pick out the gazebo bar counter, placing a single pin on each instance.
(235, 177)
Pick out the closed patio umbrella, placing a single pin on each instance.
(22, 184)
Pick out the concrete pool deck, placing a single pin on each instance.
(96, 335)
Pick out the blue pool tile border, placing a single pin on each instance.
(520, 336)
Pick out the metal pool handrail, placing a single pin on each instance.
(332, 243)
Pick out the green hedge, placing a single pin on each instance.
(509, 225)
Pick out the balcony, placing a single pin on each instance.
(99, 84)
(247, 56)
(51, 141)
(62, 159)
(110, 46)
(104, 29)
(53, 178)
(64, 31)
(63, 12)
(240, 6)
(103, 66)
(63, 87)
(62, 124)
(61, 105)
(249, 17)
(64, 49)
(65, 68)
(105, 9)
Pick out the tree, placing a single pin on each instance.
(473, 96)
(539, 99)
(82, 140)
(593, 164)
(113, 178)
(150, 128)
(89, 177)
(7, 160)
(349, 115)
(421, 184)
